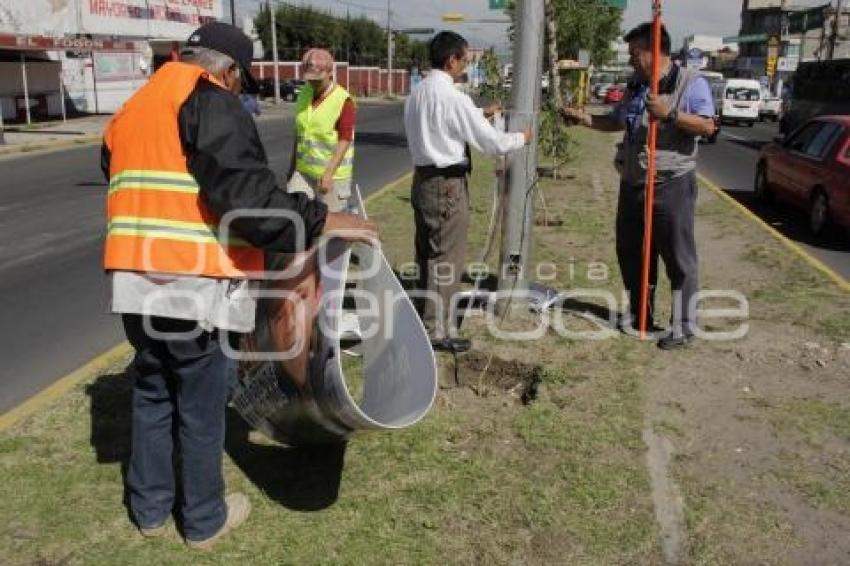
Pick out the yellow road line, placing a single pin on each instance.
(60, 387)
(101, 363)
(388, 186)
(801, 253)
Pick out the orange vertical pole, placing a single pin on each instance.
(651, 142)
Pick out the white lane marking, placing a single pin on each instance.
(734, 137)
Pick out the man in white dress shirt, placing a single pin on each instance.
(441, 123)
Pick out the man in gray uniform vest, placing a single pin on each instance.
(684, 109)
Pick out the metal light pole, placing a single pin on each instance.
(522, 176)
(26, 87)
(389, 50)
(233, 12)
(274, 54)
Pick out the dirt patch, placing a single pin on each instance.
(487, 374)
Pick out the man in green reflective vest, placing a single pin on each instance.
(323, 153)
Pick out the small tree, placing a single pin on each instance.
(553, 138)
(493, 87)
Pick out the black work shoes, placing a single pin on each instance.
(451, 345)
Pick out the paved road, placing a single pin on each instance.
(52, 294)
(731, 164)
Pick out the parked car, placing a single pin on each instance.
(289, 88)
(741, 101)
(810, 169)
(614, 94)
(770, 108)
(601, 89)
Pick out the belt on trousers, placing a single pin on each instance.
(452, 171)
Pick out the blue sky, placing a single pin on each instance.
(682, 17)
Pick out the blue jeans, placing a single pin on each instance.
(673, 241)
(179, 398)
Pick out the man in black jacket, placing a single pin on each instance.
(180, 369)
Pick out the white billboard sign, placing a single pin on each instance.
(172, 19)
(164, 19)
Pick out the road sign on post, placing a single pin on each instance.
(619, 4)
(498, 4)
(770, 68)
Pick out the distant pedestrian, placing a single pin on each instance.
(250, 104)
(180, 155)
(441, 123)
(685, 110)
(322, 163)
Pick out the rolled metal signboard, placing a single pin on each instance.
(298, 386)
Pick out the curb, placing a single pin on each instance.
(105, 360)
(813, 262)
(41, 148)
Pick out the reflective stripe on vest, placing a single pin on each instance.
(156, 219)
(317, 135)
(173, 229)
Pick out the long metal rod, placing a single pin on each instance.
(26, 87)
(389, 49)
(94, 83)
(652, 141)
(272, 11)
(2, 125)
(62, 98)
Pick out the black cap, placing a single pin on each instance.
(230, 41)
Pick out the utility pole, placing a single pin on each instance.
(389, 49)
(233, 12)
(522, 174)
(274, 53)
(834, 36)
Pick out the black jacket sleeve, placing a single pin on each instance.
(227, 159)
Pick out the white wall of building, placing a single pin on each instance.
(169, 19)
(101, 82)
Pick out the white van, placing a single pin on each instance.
(741, 101)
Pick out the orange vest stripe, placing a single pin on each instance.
(156, 219)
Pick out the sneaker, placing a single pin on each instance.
(629, 327)
(674, 341)
(238, 509)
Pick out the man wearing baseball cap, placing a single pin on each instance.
(323, 154)
(181, 155)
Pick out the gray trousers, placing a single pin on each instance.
(673, 240)
(441, 215)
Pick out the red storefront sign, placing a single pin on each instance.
(42, 43)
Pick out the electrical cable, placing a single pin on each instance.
(532, 186)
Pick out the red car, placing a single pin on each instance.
(810, 169)
(614, 95)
